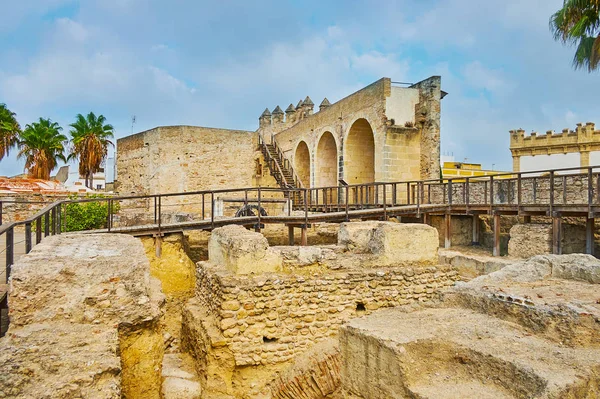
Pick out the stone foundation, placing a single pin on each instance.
(244, 328)
(529, 330)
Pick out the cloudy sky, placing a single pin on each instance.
(221, 63)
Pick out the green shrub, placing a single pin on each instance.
(87, 215)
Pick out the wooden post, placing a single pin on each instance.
(556, 234)
(158, 245)
(589, 236)
(526, 219)
(303, 237)
(496, 251)
(448, 231)
(291, 234)
(476, 230)
(425, 218)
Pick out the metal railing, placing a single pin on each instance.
(549, 191)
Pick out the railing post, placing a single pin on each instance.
(212, 210)
(27, 237)
(46, 224)
(590, 192)
(10, 251)
(159, 213)
(257, 229)
(306, 209)
(551, 191)
(54, 220)
(408, 193)
(564, 187)
(156, 210)
(108, 214)
(450, 192)
(347, 195)
(59, 219)
(394, 189)
(38, 230)
(203, 206)
(419, 190)
(519, 193)
(491, 192)
(466, 190)
(384, 203)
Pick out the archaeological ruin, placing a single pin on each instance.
(323, 256)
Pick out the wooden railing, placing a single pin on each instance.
(568, 191)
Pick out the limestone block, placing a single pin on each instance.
(355, 236)
(84, 321)
(242, 251)
(404, 243)
(530, 239)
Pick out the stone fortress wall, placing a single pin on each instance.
(380, 133)
(172, 159)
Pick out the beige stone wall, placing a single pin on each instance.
(568, 189)
(381, 108)
(187, 158)
(583, 139)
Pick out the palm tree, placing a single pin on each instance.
(41, 144)
(90, 141)
(9, 130)
(578, 23)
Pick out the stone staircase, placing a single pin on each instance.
(279, 168)
(282, 170)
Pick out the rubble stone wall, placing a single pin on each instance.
(271, 318)
(534, 190)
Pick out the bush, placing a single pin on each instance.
(88, 215)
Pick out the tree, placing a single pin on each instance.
(9, 130)
(90, 141)
(578, 23)
(42, 144)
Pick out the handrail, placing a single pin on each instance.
(299, 182)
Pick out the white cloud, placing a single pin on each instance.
(480, 77)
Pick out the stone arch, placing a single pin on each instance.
(326, 161)
(302, 163)
(359, 153)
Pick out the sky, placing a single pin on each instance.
(219, 64)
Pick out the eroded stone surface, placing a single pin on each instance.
(77, 304)
(529, 330)
(242, 251)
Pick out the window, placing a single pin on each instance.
(98, 186)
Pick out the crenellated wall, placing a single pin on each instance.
(583, 140)
(403, 125)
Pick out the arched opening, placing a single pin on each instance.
(326, 161)
(359, 154)
(302, 163)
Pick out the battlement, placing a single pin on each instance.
(583, 138)
(303, 109)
